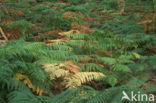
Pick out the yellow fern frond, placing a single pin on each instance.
(69, 32)
(137, 55)
(27, 82)
(82, 77)
(70, 79)
(55, 71)
(58, 41)
(58, 73)
(51, 67)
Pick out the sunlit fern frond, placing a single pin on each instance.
(82, 77)
(55, 70)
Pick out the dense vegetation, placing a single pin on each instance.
(76, 51)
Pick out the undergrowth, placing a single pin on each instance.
(75, 51)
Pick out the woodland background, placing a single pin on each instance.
(76, 51)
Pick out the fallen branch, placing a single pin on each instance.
(3, 35)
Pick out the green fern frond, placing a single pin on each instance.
(108, 61)
(89, 67)
(121, 68)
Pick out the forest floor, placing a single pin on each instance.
(76, 51)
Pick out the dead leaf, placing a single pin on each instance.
(71, 67)
(15, 12)
(82, 28)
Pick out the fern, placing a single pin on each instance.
(55, 71)
(83, 77)
(74, 81)
(91, 67)
(24, 26)
(77, 64)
